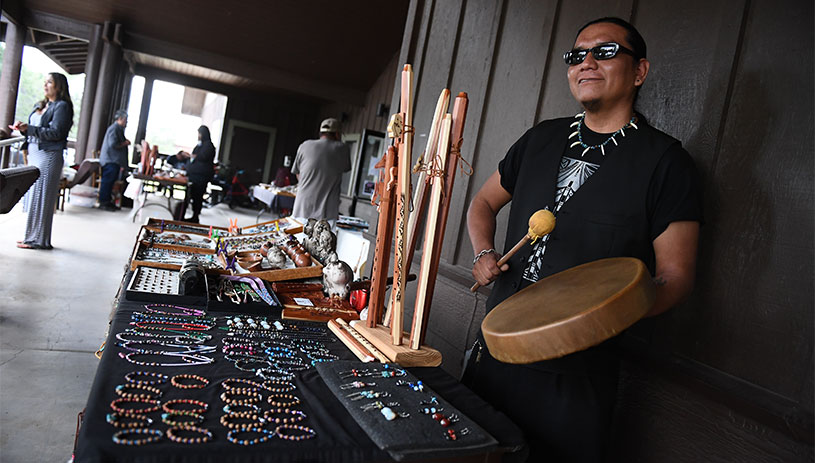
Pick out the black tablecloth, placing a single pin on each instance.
(338, 439)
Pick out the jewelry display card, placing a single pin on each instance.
(420, 434)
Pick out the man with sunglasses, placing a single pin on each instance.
(618, 187)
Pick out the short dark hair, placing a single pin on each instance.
(632, 36)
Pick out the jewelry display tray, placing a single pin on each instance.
(249, 308)
(414, 437)
(152, 284)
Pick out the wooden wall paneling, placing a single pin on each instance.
(413, 45)
(685, 95)
(478, 36)
(661, 421)
(557, 100)
(512, 98)
(759, 318)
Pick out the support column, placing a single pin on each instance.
(10, 75)
(104, 92)
(89, 94)
(144, 111)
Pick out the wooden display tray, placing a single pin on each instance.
(175, 247)
(155, 224)
(380, 337)
(323, 310)
(282, 274)
(134, 262)
(294, 226)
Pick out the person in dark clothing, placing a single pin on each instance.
(619, 188)
(199, 171)
(113, 159)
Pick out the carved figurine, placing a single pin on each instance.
(276, 258)
(337, 277)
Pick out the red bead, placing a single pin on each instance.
(451, 431)
(444, 422)
(437, 416)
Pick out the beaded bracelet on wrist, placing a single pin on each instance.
(290, 416)
(116, 406)
(120, 420)
(251, 396)
(283, 400)
(309, 433)
(172, 434)
(153, 435)
(133, 375)
(181, 418)
(176, 381)
(253, 420)
(265, 435)
(151, 393)
(200, 407)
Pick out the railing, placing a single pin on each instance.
(11, 141)
(5, 145)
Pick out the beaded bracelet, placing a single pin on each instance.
(227, 384)
(115, 406)
(296, 416)
(273, 374)
(322, 357)
(172, 418)
(240, 364)
(172, 435)
(239, 408)
(251, 395)
(309, 433)
(254, 420)
(176, 381)
(131, 377)
(153, 393)
(117, 420)
(274, 400)
(201, 406)
(278, 387)
(265, 435)
(153, 435)
(184, 310)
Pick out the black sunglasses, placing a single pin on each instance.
(600, 52)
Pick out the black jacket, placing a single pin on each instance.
(56, 122)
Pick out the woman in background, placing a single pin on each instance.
(47, 134)
(199, 171)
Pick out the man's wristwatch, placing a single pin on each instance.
(482, 254)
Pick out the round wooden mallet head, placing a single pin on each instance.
(569, 311)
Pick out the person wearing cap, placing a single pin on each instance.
(319, 166)
(113, 159)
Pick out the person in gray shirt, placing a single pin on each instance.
(319, 166)
(113, 159)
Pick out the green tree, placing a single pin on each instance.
(30, 90)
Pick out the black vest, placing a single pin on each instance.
(608, 216)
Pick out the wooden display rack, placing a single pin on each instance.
(281, 274)
(323, 308)
(380, 337)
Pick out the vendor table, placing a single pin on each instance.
(338, 436)
(165, 185)
(273, 199)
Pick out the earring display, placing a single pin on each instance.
(392, 406)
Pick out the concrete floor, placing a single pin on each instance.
(54, 309)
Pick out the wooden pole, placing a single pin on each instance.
(456, 140)
(430, 238)
(384, 238)
(423, 182)
(400, 269)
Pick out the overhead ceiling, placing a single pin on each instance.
(316, 47)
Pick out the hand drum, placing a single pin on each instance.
(569, 311)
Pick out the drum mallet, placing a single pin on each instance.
(541, 223)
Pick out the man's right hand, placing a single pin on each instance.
(486, 269)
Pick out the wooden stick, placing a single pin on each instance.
(365, 342)
(400, 268)
(423, 183)
(425, 274)
(384, 240)
(352, 344)
(456, 140)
